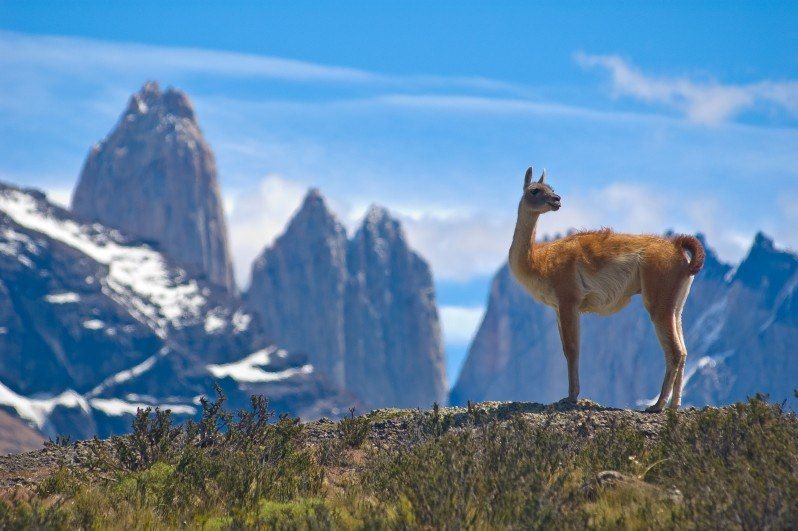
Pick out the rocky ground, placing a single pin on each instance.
(491, 465)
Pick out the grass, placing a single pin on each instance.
(731, 468)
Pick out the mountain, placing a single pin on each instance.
(741, 328)
(299, 284)
(363, 309)
(154, 177)
(94, 324)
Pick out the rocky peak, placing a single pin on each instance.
(378, 217)
(315, 214)
(394, 348)
(150, 100)
(713, 267)
(298, 285)
(378, 234)
(766, 267)
(763, 241)
(154, 177)
(379, 224)
(363, 310)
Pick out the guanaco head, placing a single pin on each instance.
(538, 196)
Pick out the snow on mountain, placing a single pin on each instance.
(138, 277)
(252, 368)
(37, 410)
(94, 325)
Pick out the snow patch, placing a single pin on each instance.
(784, 294)
(214, 321)
(62, 298)
(116, 407)
(250, 368)
(708, 327)
(15, 242)
(37, 410)
(138, 277)
(730, 274)
(704, 362)
(241, 321)
(127, 374)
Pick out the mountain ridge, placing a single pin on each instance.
(95, 324)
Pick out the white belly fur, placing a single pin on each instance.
(603, 292)
(610, 289)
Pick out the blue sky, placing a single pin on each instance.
(649, 116)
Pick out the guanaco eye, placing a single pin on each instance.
(535, 191)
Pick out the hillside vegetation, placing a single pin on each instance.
(492, 465)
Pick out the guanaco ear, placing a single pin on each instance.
(528, 177)
(542, 176)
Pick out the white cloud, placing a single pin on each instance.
(460, 323)
(256, 216)
(707, 102)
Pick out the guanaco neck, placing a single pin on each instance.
(522, 248)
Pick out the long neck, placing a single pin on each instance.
(521, 250)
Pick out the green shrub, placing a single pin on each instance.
(353, 431)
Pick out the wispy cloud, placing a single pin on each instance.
(500, 105)
(706, 102)
(81, 56)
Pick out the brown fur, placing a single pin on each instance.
(599, 272)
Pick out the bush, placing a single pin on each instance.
(736, 466)
(223, 465)
(353, 431)
(733, 467)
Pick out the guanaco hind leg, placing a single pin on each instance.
(663, 297)
(676, 397)
(671, 345)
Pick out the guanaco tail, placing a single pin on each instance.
(599, 272)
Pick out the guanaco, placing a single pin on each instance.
(599, 272)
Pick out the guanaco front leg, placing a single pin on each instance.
(568, 323)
